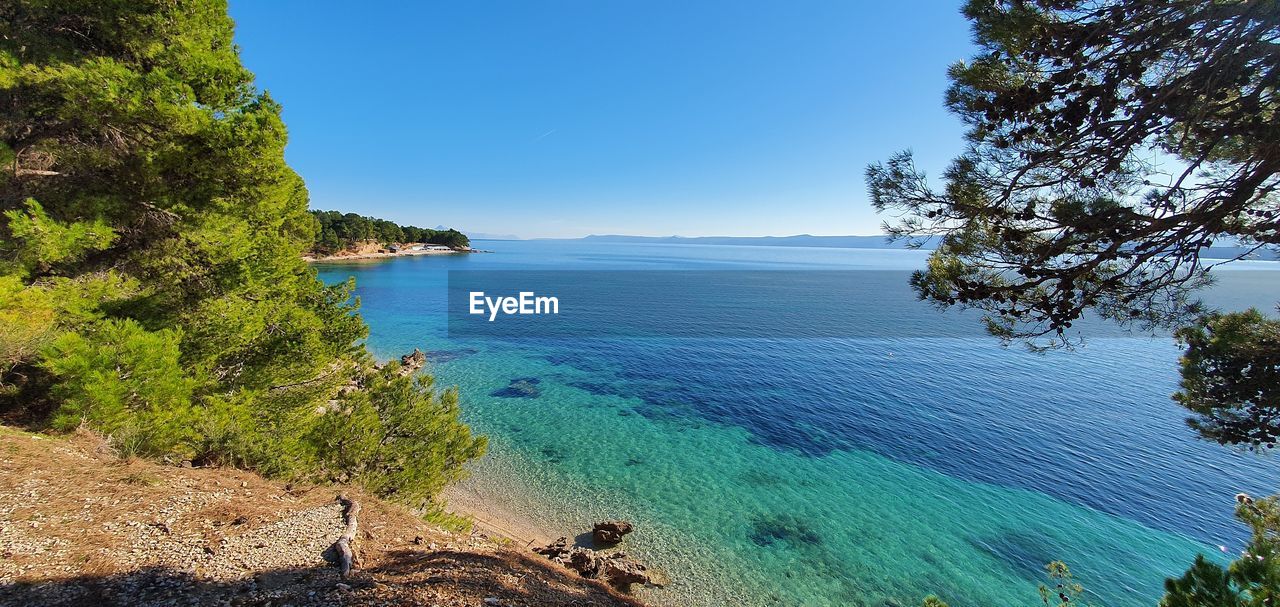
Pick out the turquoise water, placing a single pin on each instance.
(851, 471)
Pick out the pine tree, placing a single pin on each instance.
(1109, 145)
(153, 235)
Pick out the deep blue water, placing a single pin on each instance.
(869, 469)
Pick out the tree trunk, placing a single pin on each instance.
(346, 552)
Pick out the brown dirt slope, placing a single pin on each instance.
(79, 526)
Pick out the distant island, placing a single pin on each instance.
(353, 236)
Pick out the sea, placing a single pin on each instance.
(871, 465)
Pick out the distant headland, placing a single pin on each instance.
(350, 236)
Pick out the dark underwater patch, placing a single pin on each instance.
(665, 398)
(598, 388)
(679, 404)
(1024, 553)
(641, 375)
(787, 445)
(783, 529)
(577, 361)
(520, 387)
(552, 454)
(762, 478)
(444, 356)
(661, 411)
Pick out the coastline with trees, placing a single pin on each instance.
(341, 232)
(348, 236)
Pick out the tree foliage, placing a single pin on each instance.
(337, 231)
(1253, 580)
(396, 432)
(1231, 378)
(1109, 144)
(151, 239)
(125, 381)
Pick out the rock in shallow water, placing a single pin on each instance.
(622, 572)
(618, 570)
(414, 360)
(610, 532)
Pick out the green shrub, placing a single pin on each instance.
(125, 381)
(399, 437)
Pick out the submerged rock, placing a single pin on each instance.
(520, 387)
(783, 529)
(611, 532)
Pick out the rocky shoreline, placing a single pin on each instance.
(615, 568)
(356, 256)
(80, 526)
(594, 555)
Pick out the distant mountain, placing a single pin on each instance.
(853, 242)
(801, 240)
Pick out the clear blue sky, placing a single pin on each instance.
(563, 118)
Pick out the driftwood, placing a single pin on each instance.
(346, 553)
